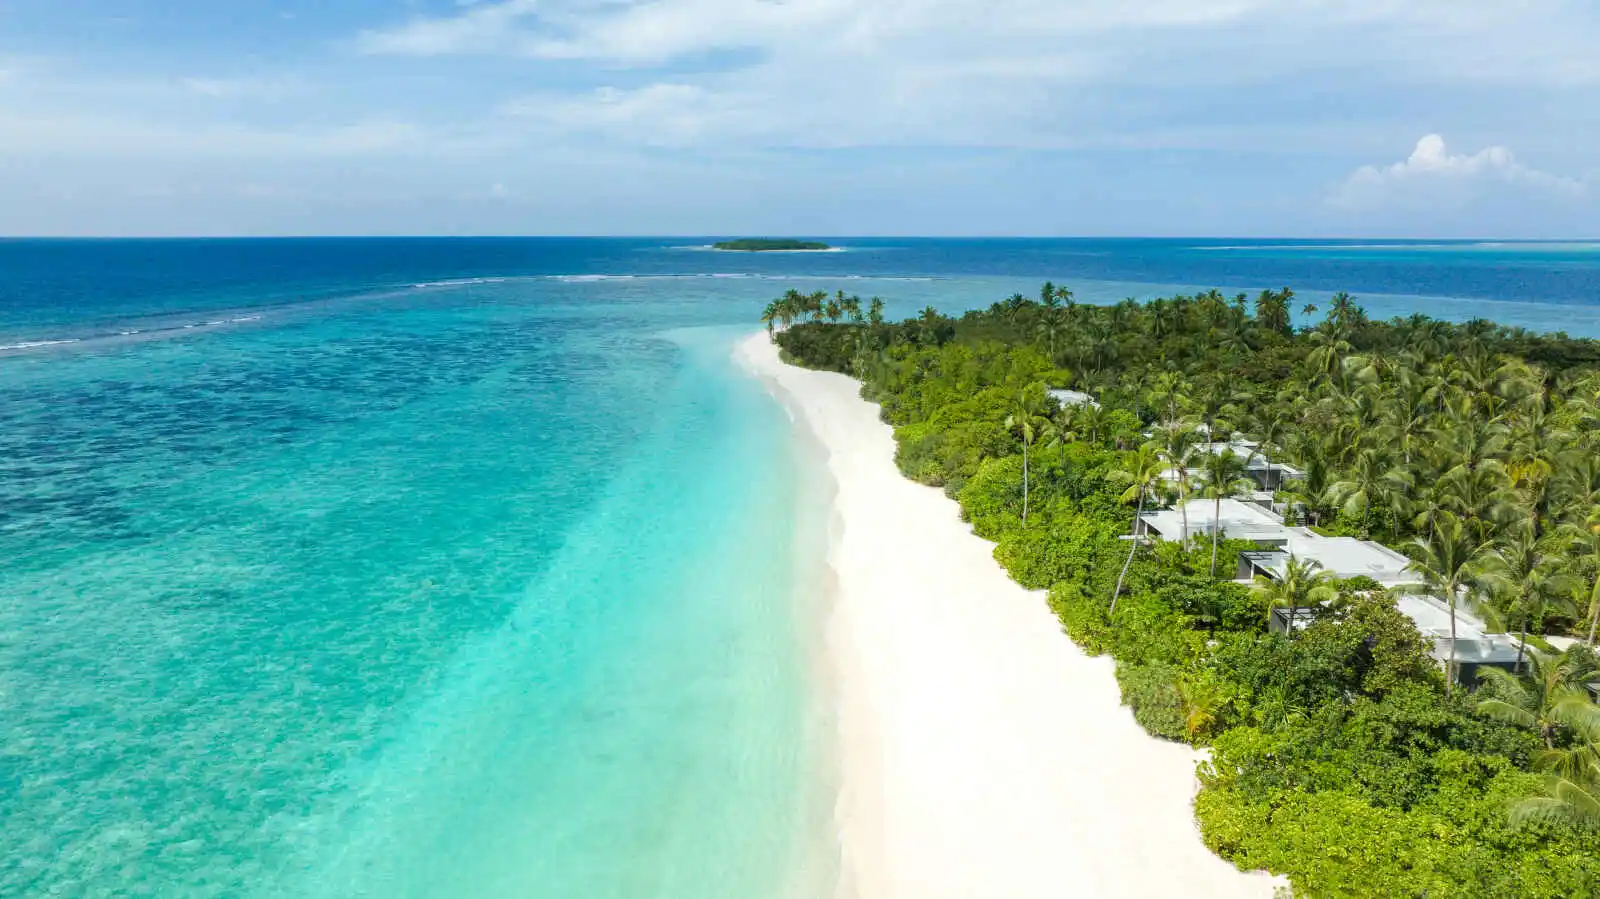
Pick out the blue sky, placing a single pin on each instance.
(980, 117)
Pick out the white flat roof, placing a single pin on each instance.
(1473, 645)
(1245, 521)
(1342, 557)
(1249, 452)
(1073, 398)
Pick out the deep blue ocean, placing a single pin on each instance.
(446, 568)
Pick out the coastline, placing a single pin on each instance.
(980, 752)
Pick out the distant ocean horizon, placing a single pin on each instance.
(473, 566)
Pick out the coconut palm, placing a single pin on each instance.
(1584, 539)
(1141, 470)
(875, 311)
(1063, 430)
(1527, 573)
(1449, 561)
(1370, 480)
(1176, 445)
(1302, 585)
(1050, 329)
(1169, 393)
(1222, 476)
(1343, 313)
(1573, 800)
(1025, 422)
(1268, 428)
(1553, 695)
(1272, 310)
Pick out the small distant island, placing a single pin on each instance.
(760, 245)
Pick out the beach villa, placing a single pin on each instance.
(1342, 557)
(1069, 398)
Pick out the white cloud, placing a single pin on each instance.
(60, 134)
(1014, 73)
(1432, 174)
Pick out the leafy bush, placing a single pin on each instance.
(1337, 756)
(1151, 691)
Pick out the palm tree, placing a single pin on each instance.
(1142, 470)
(875, 311)
(1526, 571)
(1024, 421)
(1369, 480)
(1343, 313)
(1448, 560)
(851, 305)
(1572, 799)
(815, 305)
(1176, 445)
(928, 325)
(1584, 538)
(1554, 695)
(1303, 584)
(1272, 310)
(1092, 417)
(770, 316)
(1064, 429)
(1050, 329)
(1169, 392)
(1268, 428)
(1223, 474)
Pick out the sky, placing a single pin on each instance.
(1362, 118)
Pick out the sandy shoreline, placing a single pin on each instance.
(982, 754)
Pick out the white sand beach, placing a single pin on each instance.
(983, 754)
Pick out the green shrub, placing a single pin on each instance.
(1083, 619)
(1151, 691)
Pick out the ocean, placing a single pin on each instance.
(437, 568)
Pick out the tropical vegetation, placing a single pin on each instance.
(1341, 753)
(762, 244)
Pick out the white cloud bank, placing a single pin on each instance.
(1433, 174)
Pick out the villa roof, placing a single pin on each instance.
(1474, 646)
(1073, 398)
(1340, 556)
(1245, 521)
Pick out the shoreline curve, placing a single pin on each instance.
(980, 752)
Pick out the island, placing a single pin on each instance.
(761, 245)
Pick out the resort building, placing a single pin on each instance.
(1267, 474)
(1069, 398)
(1342, 557)
(1239, 520)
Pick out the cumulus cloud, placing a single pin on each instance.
(1108, 105)
(1433, 174)
(1021, 73)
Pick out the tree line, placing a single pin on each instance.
(1469, 447)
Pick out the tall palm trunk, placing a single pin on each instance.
(1024, 483)
(1216, 527)
(1183, 507)
(1594, 608)
(1139, 513)
(1450, 668)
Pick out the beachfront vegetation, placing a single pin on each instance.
(1342, 755)
(762, 244)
